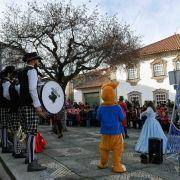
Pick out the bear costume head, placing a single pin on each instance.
(108, 94)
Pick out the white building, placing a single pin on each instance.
(147, 80)
(10, 55)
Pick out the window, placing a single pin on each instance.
(158, 70)
(176, 63)
(160, 96)
(132, 73)
(134, 97)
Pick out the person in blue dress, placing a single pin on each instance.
(151, 129)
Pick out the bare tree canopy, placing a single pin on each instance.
(70, 39)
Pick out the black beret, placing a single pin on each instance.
(31, 56)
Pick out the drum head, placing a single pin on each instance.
(52, 97)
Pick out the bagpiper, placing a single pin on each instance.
(5, 106)
(30, 106)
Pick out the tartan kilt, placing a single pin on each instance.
(29, 118)
(14, 121)
(4, 117)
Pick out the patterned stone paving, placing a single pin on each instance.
(131, 142)
(55, 170)
(70, 151)
(130, 157)
(75, 156)
(84, 141)
(137, 175)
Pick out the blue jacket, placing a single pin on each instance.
(110, 118)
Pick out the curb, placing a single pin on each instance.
(7, 170)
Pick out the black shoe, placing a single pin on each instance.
(21, 155)
(60, 136)
(6, 150)
(13, 154)
(26, 161)
(34, 166)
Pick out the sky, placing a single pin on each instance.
(153, 20)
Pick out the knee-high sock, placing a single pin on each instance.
(27, 154)
(34, 144)
(30, 148)
(4, 138)
(17, 147)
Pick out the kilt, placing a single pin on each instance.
(4, 117)
(14, 121)
(29, 118)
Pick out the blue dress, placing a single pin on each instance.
(151, 129)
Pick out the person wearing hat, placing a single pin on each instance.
(5, 106)
(30, 106)
(124, 109)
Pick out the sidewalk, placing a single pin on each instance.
(75, 156)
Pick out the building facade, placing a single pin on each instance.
(147, 80)
(10, 55)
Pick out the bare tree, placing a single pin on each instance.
(70, 39)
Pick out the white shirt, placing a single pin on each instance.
(17, 88)
(33, 80)
(5, 86)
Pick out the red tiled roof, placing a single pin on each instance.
(169, 44)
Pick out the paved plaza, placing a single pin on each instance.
(75, 156)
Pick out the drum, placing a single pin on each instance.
(51, 96)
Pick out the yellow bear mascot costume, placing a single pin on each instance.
(110, 116)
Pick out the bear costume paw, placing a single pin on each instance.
(101, 166)
(120, 169)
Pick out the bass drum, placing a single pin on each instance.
(51, 96)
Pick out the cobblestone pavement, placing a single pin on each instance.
(75, 156)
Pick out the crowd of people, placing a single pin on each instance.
(79, 114)
(133, 111)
